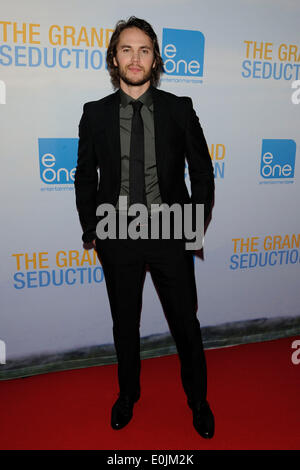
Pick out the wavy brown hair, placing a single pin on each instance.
(133, 22)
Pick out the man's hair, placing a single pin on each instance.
(133, 22)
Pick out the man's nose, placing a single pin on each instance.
(136, 56)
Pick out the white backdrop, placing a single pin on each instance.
(245, 56)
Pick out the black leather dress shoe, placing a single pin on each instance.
(122, 411)
(203, 419)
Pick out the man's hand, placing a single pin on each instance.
(90, 245)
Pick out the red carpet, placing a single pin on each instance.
(253, 389)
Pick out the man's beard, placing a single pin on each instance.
(130, 82)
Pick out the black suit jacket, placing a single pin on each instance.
(178, 135)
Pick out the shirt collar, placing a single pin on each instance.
(145, 98)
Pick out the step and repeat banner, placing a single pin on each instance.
(239, 61)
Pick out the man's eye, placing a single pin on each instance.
(145, 51)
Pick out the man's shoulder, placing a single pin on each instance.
(172, 98)
(97, 104)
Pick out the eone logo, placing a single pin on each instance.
(50, 174)
(278, 158)
(183, 52)
(271, 170)
(58, 160)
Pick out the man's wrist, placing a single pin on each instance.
(89, 236)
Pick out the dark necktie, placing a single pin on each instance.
(136, 158)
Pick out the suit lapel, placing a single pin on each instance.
(112, 129)
(160, 120)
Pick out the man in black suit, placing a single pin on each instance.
(139, 138)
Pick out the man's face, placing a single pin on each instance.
(134, 57)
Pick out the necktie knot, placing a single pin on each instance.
(137, 105)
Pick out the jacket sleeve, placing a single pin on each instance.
(199, 162)
(86, 180)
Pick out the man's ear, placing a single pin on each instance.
(115, 62)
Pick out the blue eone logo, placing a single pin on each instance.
(278, 158)
(58, 160)
(183, 52)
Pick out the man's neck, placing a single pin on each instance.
(134, 91)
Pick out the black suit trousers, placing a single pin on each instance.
(171, 266)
